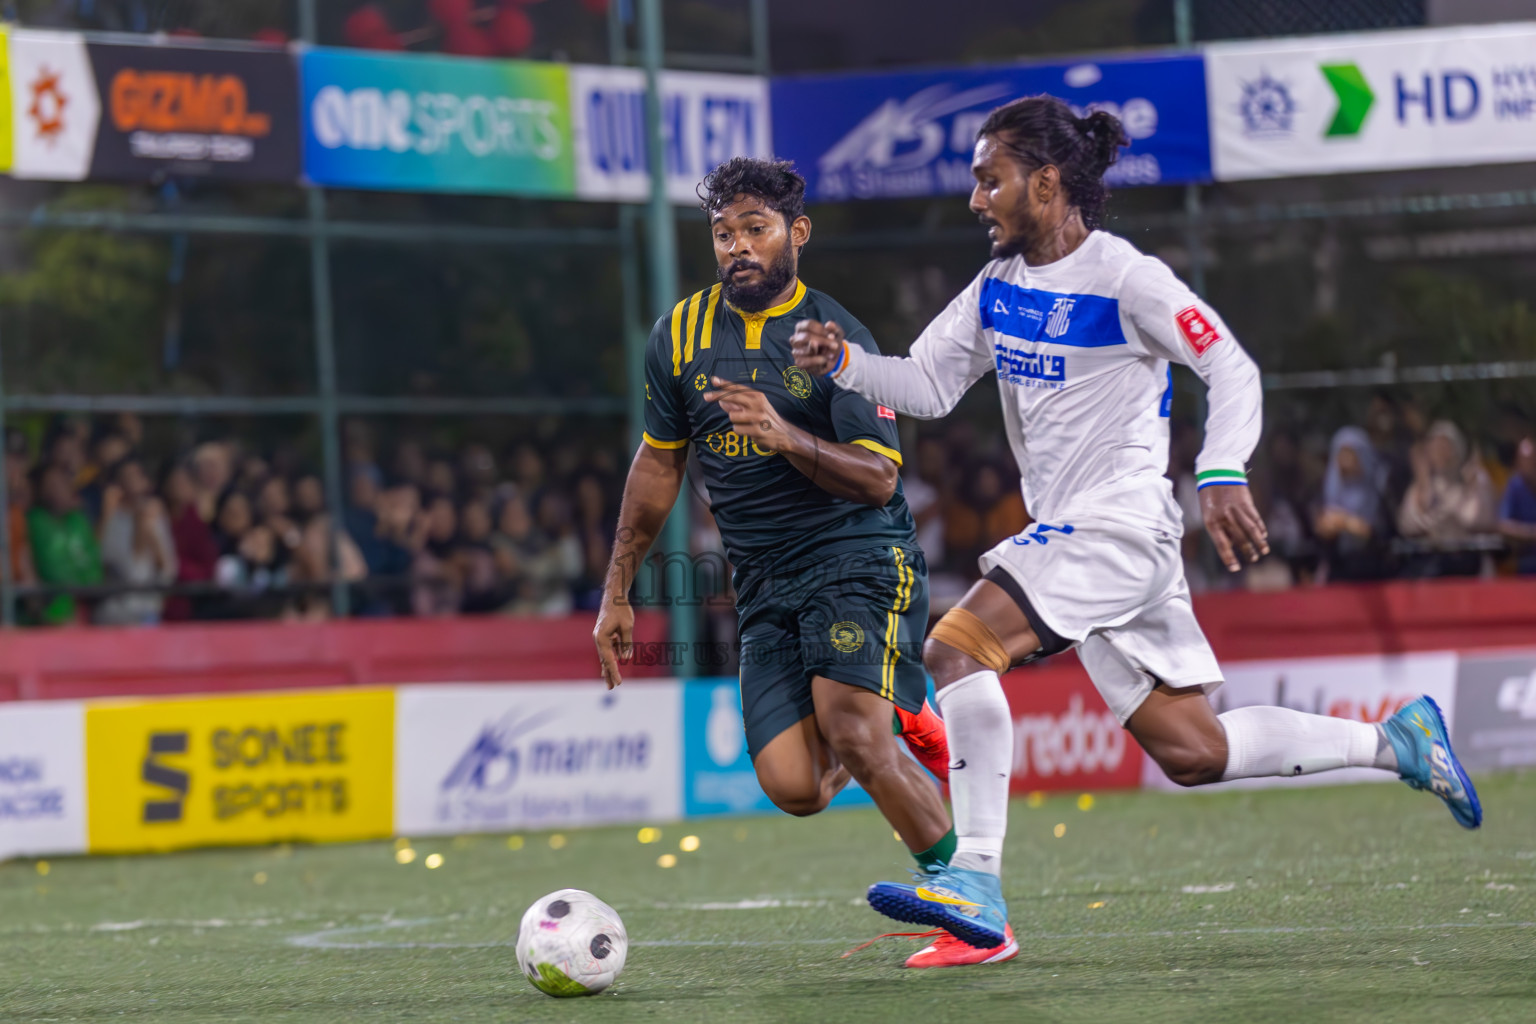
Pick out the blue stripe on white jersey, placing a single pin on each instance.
(1054, 318)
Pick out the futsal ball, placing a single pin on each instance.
(571, 944)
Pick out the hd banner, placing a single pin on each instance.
(705, 120)
(436, 124)
(1383, 101)
(912, 133)
(313, 765)
(107, 111)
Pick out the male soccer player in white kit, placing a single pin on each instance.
(1081, 329)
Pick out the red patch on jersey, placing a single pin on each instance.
(884, 413)
(1197, 330)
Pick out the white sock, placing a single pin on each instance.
(1278, 741)
(980, 729)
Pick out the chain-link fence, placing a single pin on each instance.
(1240, 19)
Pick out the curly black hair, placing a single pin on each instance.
(1041, 130)
(775, 182)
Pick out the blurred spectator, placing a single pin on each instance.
(272, 511)
(1288, 478)
(308, 498)
(926, 487)
(18, 493)
(109, 448)
(992, 510)
(483, 589)
(1393, 435)
(595, 526)
(477, 472)
(1351, 524)
(212, 470)
(1517, 510)
(411, 463)
(435, 581)
(1449, 500)
(136, 546)
(64, 547)
(197, 552)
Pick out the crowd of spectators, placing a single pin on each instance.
(104, 530)
(221, 531)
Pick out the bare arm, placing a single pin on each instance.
(655, 478)
(845, 470)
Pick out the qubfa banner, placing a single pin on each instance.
(55, 108)
(705, 120)
(436, 124)
(491, 758)
(1384, 101)
(42, 778)
(1370, 688)
(188, 111)
(1495, 716)
(717, 770)
(312, 765)
(912, 133)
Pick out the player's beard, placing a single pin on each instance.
(1009, 245)
(756, 296)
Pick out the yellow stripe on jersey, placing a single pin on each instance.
(904, 582)
(677, 338)
(648, 439)
(756, 321)
(876, 446)
(709, 317)
(693, 321)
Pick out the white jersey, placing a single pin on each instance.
(1082, 349)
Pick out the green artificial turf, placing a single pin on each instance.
(1361, 903)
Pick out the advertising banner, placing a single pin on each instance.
(42, 778)
(227, 770)
(1370, 688)
(54, 105)
(1065, 736)
(1387, 100)
(718, 776)
(488, 758)
(912, 133)
(705, 120)
(436, 124)
(7, 114)
(187, 111)
(1495, 718)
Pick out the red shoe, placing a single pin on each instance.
(925, 737)
(948, 951)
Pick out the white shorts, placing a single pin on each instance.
(1117, 592)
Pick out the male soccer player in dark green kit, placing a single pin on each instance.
(803, 482)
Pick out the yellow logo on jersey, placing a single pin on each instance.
(847, 637)
(700, 382)
(798, 382)
(734, 445)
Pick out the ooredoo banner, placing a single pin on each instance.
(166, 774)
(705, 120)
(189, 111)
(42, 778)
(1382, 101)
(1369, 688)
(912, 133)
(440, 124)
(487, 758)
(1064, 735)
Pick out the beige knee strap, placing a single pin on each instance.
(970, 636)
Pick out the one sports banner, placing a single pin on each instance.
(497, 757)
(1383, 101)
(912, 133)
(436, 124)
(42, 778)
(312, 765)
(705, 120)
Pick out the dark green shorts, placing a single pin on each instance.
(856, 618)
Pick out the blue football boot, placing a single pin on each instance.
(967, 904)
(1425, 760)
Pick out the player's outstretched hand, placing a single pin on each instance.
(1234, 524)
(613, 634)
(752, 415)
(817, 346)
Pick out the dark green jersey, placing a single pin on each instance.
(770, 514)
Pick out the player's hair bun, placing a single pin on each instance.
(1105, 135)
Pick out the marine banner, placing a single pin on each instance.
(879, 136)
(167, 774)
(496, 757)
(191, 111)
